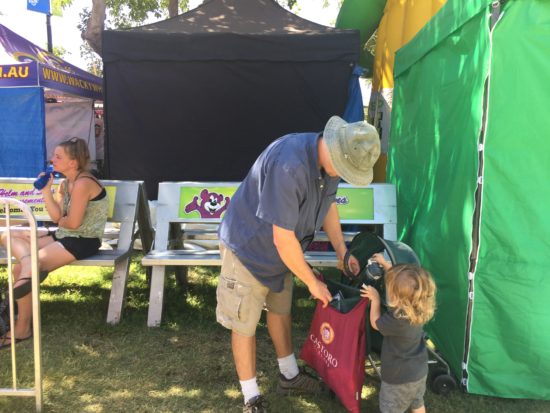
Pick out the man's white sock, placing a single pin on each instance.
(249, 388)
(288, 366)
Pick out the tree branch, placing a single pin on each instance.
(95, 26)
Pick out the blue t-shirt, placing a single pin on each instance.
(284, 187)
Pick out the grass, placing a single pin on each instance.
(183, 366)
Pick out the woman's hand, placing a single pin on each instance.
(48, 187)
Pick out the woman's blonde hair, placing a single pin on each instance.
(77, 149)
(411, 293)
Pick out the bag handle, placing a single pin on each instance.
(347, 270)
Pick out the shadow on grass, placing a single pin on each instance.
(183, 366)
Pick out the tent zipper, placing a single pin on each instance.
(496, 14)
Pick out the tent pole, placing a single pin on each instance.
(49, 31)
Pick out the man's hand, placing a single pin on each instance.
(319, 291)
(353, 265)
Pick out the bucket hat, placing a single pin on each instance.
(354, 149)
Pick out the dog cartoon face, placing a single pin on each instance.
(211, 202)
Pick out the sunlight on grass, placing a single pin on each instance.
(80, 275)
(208, 275)
(70, 295)
(304, 403)
(175, 391)
(173, 326)
(68, 382)
(367, 392)
(87, 350)
(87, 398)
(185, 365)
(233, 393)
(195, 302)
(95, 408)
(121, 394)
(174, 340)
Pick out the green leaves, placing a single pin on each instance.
(57, 6)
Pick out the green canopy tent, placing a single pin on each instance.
(470, 155)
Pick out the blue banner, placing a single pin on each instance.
(37, 67)
(22, 132)
(69, 82)
(22, 74)
(41, 6)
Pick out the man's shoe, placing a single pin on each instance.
(257, 404)
(302, 383)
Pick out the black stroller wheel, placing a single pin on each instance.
(442, 383)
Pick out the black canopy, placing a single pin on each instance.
(199, 96)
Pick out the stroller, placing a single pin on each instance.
(363, 246)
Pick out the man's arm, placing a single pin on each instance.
(332, 227)
(291, 254)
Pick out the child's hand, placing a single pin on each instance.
(370, 292)
(379, 258)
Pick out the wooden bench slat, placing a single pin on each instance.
(212, 258)
(105, 258)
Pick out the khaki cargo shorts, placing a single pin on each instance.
(241, 297)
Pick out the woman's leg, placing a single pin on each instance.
(21, 248)
(51, 256)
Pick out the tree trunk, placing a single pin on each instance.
(95, 26)
(173, 8)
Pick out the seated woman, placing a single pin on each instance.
(79, 208)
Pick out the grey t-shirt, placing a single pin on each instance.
(404, 356)
(284, 187)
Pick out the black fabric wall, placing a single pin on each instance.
(209, 120)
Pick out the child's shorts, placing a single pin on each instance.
(241, 297)
(397, 398)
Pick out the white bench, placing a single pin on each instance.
(179, 215)
(128, 209)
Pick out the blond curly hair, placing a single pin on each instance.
(411, 293)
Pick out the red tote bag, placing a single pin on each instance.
(336, 347)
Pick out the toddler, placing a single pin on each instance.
(410, 292)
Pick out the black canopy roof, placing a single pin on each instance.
(233, 30)
(199, 96)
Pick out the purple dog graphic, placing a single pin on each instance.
(210, 205)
